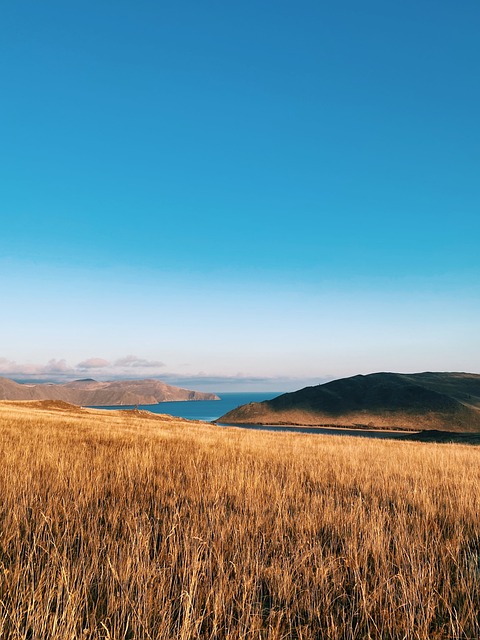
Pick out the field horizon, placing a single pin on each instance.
(125, 524)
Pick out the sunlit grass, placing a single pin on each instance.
(117, 526)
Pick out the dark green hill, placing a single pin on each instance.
(445, 401)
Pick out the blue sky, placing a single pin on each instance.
(239, 195)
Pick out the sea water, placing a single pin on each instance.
(207, 410)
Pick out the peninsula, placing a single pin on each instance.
(92, 393)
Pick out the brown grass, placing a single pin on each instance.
(113, 526)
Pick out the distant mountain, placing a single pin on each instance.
(89, 392)
(442, 401)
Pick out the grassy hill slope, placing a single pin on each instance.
(444, 401)
(126, 524)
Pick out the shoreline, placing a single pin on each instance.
(332, 427)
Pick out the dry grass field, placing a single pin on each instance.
(119, 526)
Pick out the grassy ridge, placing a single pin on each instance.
(418, 401)
(119, 526)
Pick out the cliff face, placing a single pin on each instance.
(445, 401)
(93, 393)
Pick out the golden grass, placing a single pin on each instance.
(115, 526)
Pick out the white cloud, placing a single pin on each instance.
(135, 362)
(60, 370)
(135, 367)
(53, 367)
(6, 366)
(57, 366)
(93, 363)
(242, 382)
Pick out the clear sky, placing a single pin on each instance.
(247, 195)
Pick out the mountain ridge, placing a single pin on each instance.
(89, 392)
(430, 400)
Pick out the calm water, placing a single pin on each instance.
(325, 431)
(207, 410)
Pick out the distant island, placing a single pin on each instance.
(88, 392)
(419, 401)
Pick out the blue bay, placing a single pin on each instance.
(207, 410)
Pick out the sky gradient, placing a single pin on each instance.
(239, 196)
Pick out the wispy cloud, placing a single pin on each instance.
(60, 370)
(134, 362)
(241, 382)
(132, 366)
(51, 368)
(93, 363)
(57, 366)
